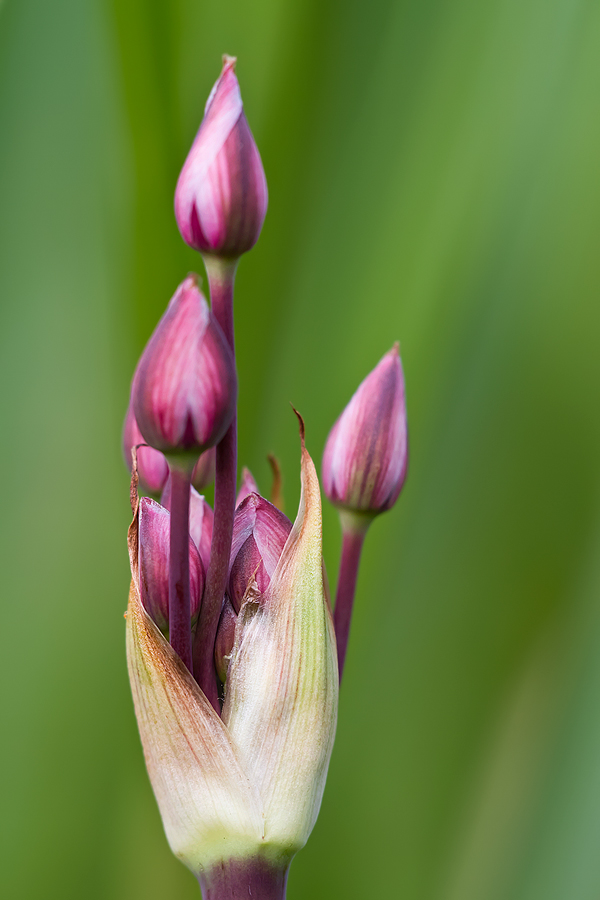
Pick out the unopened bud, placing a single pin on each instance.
(247, 486)
(221, 195)
(152, 466)
(260, 531)
(225, 640)
(154, 531)
(201, 521)
(185, 387)
(204, 470)
(366, 455)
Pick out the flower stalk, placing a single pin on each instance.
(221, 279)
(354, 530)
(180, 634)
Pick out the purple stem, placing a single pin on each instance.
(180, 633)
(240, 880)
(221, 277)
(353, 536)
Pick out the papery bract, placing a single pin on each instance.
(152, 467)
(366, 455)
(154, 529)
(225, 639)
(246, 787)
(260, 531)
(185, 387)
(221, 194)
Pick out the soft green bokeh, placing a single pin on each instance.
(433, 174)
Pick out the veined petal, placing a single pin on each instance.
(282, 687)
(209, 808)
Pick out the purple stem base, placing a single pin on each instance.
(237, 880)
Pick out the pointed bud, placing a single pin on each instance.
(201, 521)
(221, 195)
(153, 469)
(260, 531)
(248, 486)
(366, 455)
(204, 470)
(185, 387)
(154, 530)
(225, 640)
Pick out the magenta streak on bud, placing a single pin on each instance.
(248, 486)
(185, 387)
(201, 521)
(153, 469)
(225, 639)
(221, 194)
(260, 531)
(366, 455)
(154, 530)
(204, 470)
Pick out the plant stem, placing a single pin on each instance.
(354, 529)
(180, 633)
(240, 880)
(221, 277)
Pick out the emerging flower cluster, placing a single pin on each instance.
(234, 655)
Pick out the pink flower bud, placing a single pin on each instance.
(221, 195)
(204, 470)
(154, 530)
(248, 486)
(185, 387)
(366, 455)
(260, 531)
(153, 469)
(225, 640)
(201, 521)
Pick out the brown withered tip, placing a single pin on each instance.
(133, 485)
(197, 279)
(301, 422)
(396, 347)
(229, 61)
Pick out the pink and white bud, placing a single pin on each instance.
(204, 470)
(154, 532)
(185, 387)
(248, 486)
(201, 521)
(260, 531)
(221, 195)
(225, 640)
(366, 455)
(153, 469)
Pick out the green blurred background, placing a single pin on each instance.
(434, 178)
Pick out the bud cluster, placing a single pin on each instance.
(234, 654)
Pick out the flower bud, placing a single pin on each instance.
(248, 486)
(153, 469)
(366, 455)
(204, 470)
(201, 521)
(221, 195)
(154, 529)
(185, 387)
(260, 531)
(225, 640)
